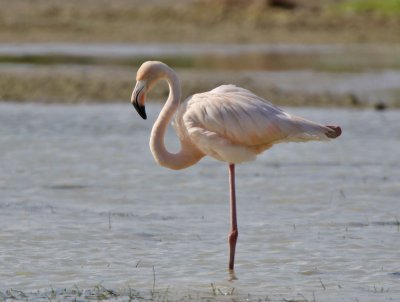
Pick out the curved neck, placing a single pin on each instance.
(188, 155)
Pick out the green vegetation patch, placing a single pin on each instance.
(385, 7)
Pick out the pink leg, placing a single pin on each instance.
(234, 230)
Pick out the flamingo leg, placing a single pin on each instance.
(234, 229)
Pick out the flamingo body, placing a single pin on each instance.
(233, 125)
(228, 123)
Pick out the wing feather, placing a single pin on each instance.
(233, 124)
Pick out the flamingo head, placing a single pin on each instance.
(148, 74)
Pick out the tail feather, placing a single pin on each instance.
(305, 130)
(336, 132)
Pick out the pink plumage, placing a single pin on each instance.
(228, 123)
(233, 124)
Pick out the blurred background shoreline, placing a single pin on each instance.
(292, 52)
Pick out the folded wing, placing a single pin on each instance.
(233, 124)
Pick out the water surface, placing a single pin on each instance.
(82, 202)
(320, 57)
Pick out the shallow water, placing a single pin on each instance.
(83, 202)
(320, 57)
(161, 49)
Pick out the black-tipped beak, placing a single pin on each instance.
(136, 94)
(140, 109)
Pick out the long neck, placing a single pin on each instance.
(188, 155)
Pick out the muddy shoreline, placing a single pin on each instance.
(92, 84)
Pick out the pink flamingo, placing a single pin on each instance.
(228, 123)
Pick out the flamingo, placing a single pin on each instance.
(228, 123)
